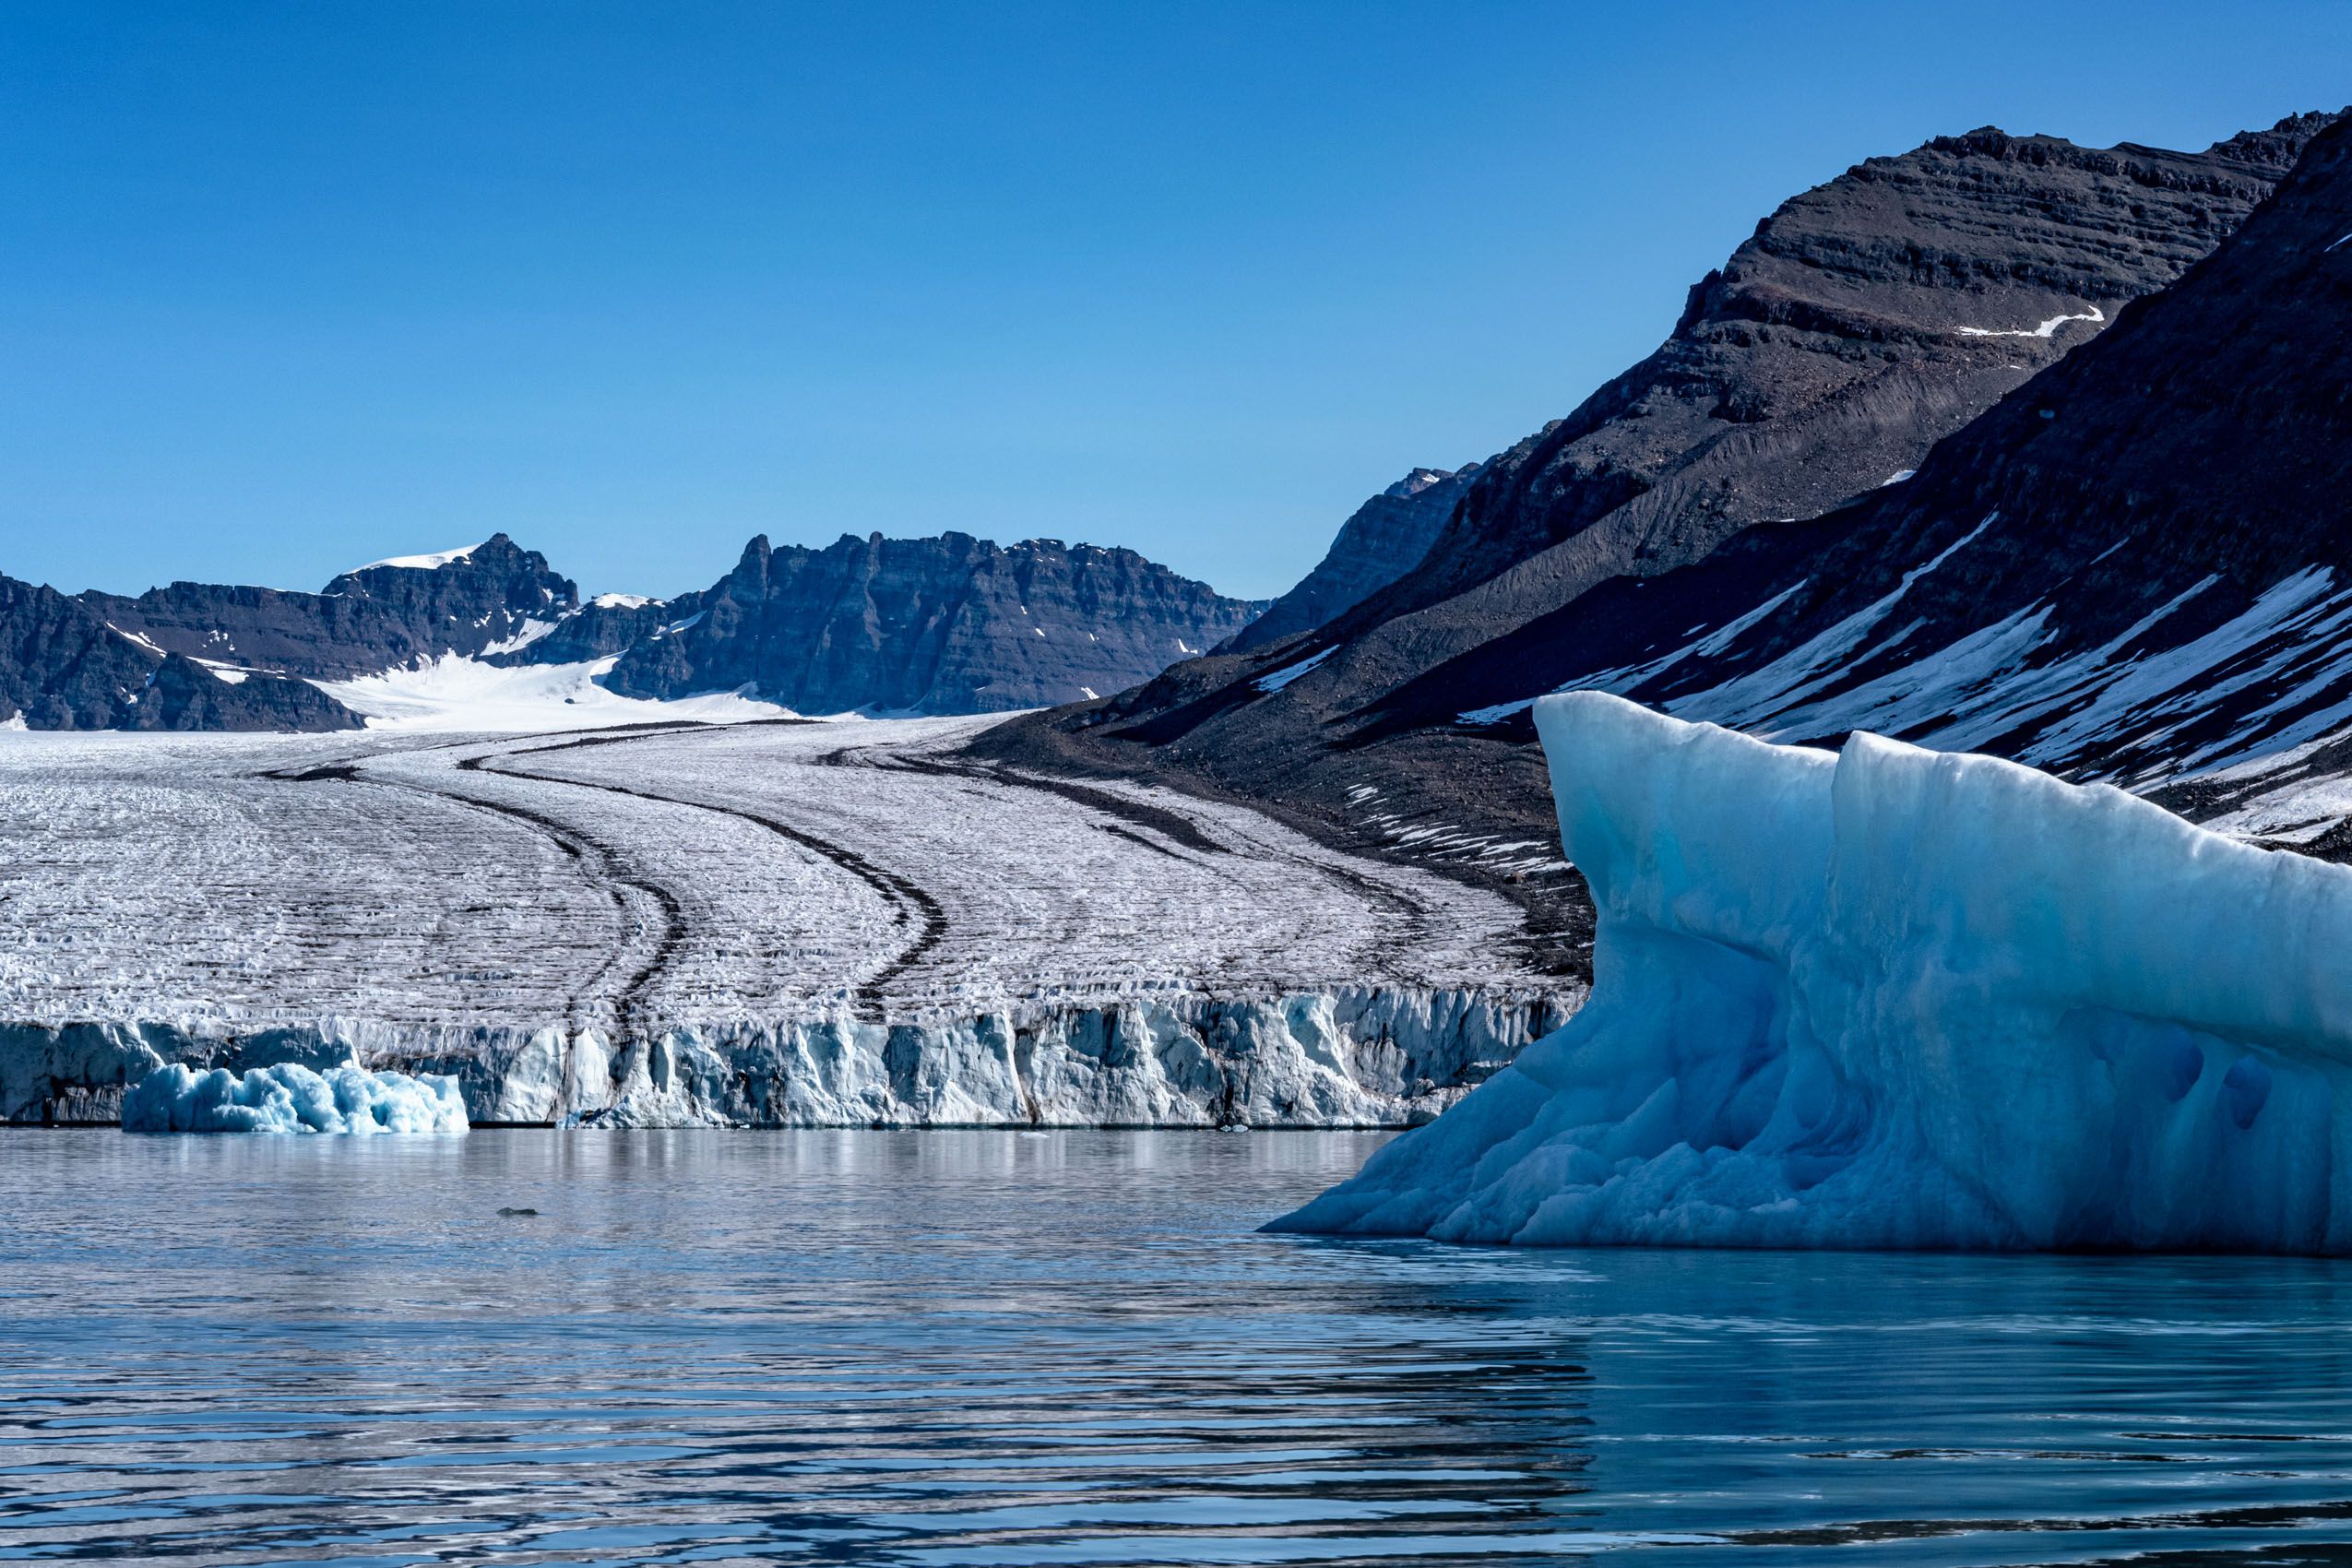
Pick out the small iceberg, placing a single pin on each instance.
(1896, 998)
(291, 1099)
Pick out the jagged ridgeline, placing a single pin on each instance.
(948, 624)
(1923, 299)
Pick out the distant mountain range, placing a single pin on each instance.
(2004, 442)
(947, 624)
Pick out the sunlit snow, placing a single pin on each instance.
(454, 693)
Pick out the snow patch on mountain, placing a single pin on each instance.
(1900, 998)
(1290, 672)
(432, 562)
(2048, 328)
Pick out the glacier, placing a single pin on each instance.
(1346, 1057)
(290, 1098)
(1894, 998)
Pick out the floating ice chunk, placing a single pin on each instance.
(292, 1099)
(1899, 998)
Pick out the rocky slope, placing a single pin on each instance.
(1384, 539)
(64, 667)
(947, 624)
(1865, 321)
(2137, 567)
(378, 617)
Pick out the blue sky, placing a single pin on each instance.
(293, 287)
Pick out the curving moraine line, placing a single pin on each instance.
(599, 864)
(911, 904)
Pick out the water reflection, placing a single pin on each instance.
(958, 1349)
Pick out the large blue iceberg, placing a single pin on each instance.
(292, 1099)
(1889, 997)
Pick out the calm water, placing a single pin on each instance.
(947, 1349)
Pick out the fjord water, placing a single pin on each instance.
(995, 1349)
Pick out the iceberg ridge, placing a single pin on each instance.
(290, 1098)
(1890, 997)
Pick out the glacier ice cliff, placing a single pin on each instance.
(1888, 997)
(290, 1098)
(1360, 1057)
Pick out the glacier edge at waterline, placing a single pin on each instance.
(1890, 997)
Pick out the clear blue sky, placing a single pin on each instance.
(292, 287)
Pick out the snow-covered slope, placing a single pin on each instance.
(1899, 998)
(779, 921)
(456, 694)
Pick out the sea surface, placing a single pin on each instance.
(945, 1349)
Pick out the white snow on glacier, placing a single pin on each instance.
(1899, 998)
(453, 694)
(820, 923)
(290, 1098)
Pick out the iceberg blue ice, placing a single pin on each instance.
(292, 1099)
(1894, 998)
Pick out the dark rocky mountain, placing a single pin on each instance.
(2139, 565)
(1864, 322)
(62, 667)
(379, 617)
(1384, 539)
(947, 624)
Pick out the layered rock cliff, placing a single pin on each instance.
(947, 624)
(63, 666)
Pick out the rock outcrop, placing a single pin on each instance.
(65, 667)
(494, 597)
(947, 624)
(1384, 539)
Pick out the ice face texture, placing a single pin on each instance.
(292, 1099)
(1899, 998)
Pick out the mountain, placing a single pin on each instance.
(945, 625)
(2136, 568)
(1864, 322)
(377, 617)
(1384, 539)
(63, 666)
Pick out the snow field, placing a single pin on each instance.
(799, 923)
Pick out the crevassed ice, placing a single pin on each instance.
(1899, 998)
(292, 1099)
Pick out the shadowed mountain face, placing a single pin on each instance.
(62, 667)
(949, 625)
(2138, 567)
(1864, 322)
(378, 617)
(1387, 538)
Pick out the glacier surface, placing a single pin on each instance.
(1896, 998)
(290, 1098)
